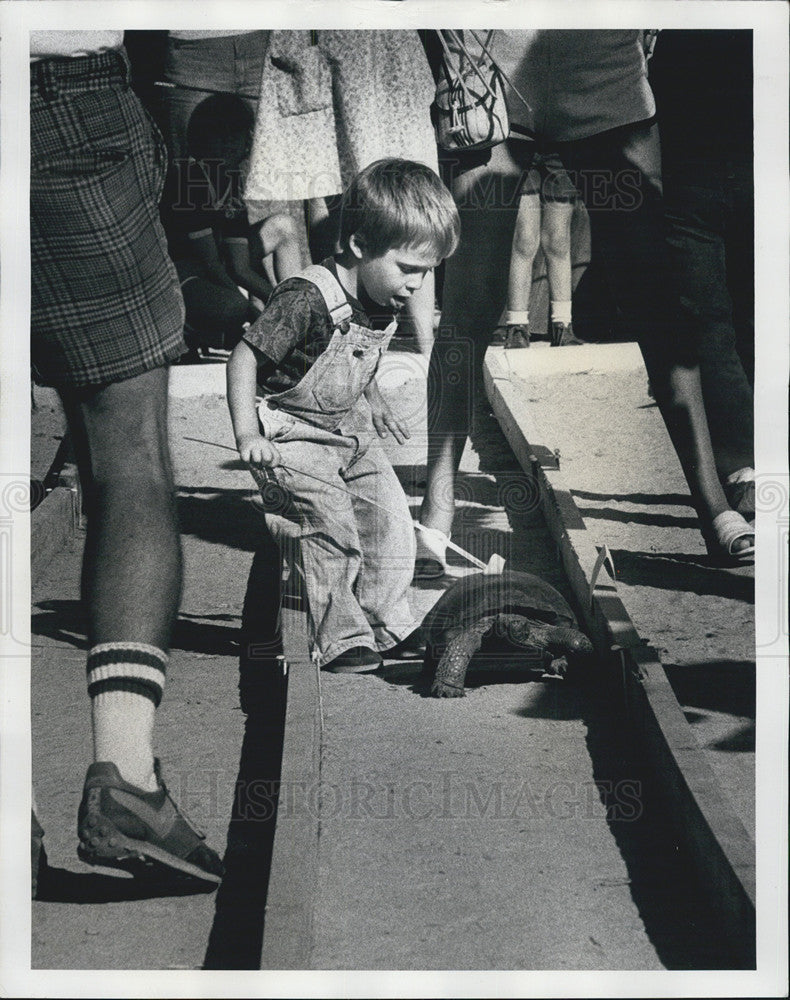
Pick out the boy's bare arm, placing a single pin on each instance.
(242, 371)
(384, 420)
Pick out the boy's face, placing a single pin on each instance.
(393, 277)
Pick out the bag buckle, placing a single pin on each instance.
(455, 124)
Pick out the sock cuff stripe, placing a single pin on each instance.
(130, 685)
(139, 672)
(514, 317)
(123, 657)
(123, 648)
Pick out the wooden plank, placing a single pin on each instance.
(288, 929)
(721, 848)
(605, 618)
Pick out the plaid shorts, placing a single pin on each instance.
(105, 299)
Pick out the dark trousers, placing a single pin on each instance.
(710, 219)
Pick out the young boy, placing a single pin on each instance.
(314, 353)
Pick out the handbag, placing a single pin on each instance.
(469, 109)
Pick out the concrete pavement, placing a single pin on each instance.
(479, 833)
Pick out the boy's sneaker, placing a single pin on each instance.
(357, 660)
(122, 826)
(562, 335)
(412, 647)
(516, 336)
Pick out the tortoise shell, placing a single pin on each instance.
(511, 613)
(511, 592)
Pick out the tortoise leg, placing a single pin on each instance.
(451, 672)
(558, 667)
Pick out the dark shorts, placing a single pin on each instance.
(105, 301)
(539, 168)
(545, 176)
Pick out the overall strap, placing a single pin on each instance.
(336, 302)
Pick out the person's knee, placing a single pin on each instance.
(555, 238)
(277, 230)
(526, 237)
(125, 429)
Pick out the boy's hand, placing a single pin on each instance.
(255, 449)
(384, 420)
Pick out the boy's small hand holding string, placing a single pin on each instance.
(384, 420)
(254, 448)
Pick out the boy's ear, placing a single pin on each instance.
(356, 244)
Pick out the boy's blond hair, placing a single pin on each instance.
(395, 203)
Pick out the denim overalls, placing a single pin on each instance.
(358, 561)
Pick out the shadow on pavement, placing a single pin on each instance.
(200, 636)
(236, 938)
(65, 622)
(61, 620)
(649, 499)
(671, 902)
(653, 520)
(59, 885)
(222, 517)
(680, 571)
(741, 740)
(720, 685)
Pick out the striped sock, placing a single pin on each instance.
(125, 683)
(518, 317)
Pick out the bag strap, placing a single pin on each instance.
(459, 76)
(335, 298)
(485, 47)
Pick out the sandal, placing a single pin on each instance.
(740, 493)
(430, 562)
(725, 531)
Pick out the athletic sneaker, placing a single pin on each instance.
(122, 826)
(357, 660)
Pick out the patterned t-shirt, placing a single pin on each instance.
(295, 328)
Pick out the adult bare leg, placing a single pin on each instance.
(131, 574)
(475, 288)
(628, 232)
(418, 315)
(131, 577)
(526, 241)
(555, 238)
